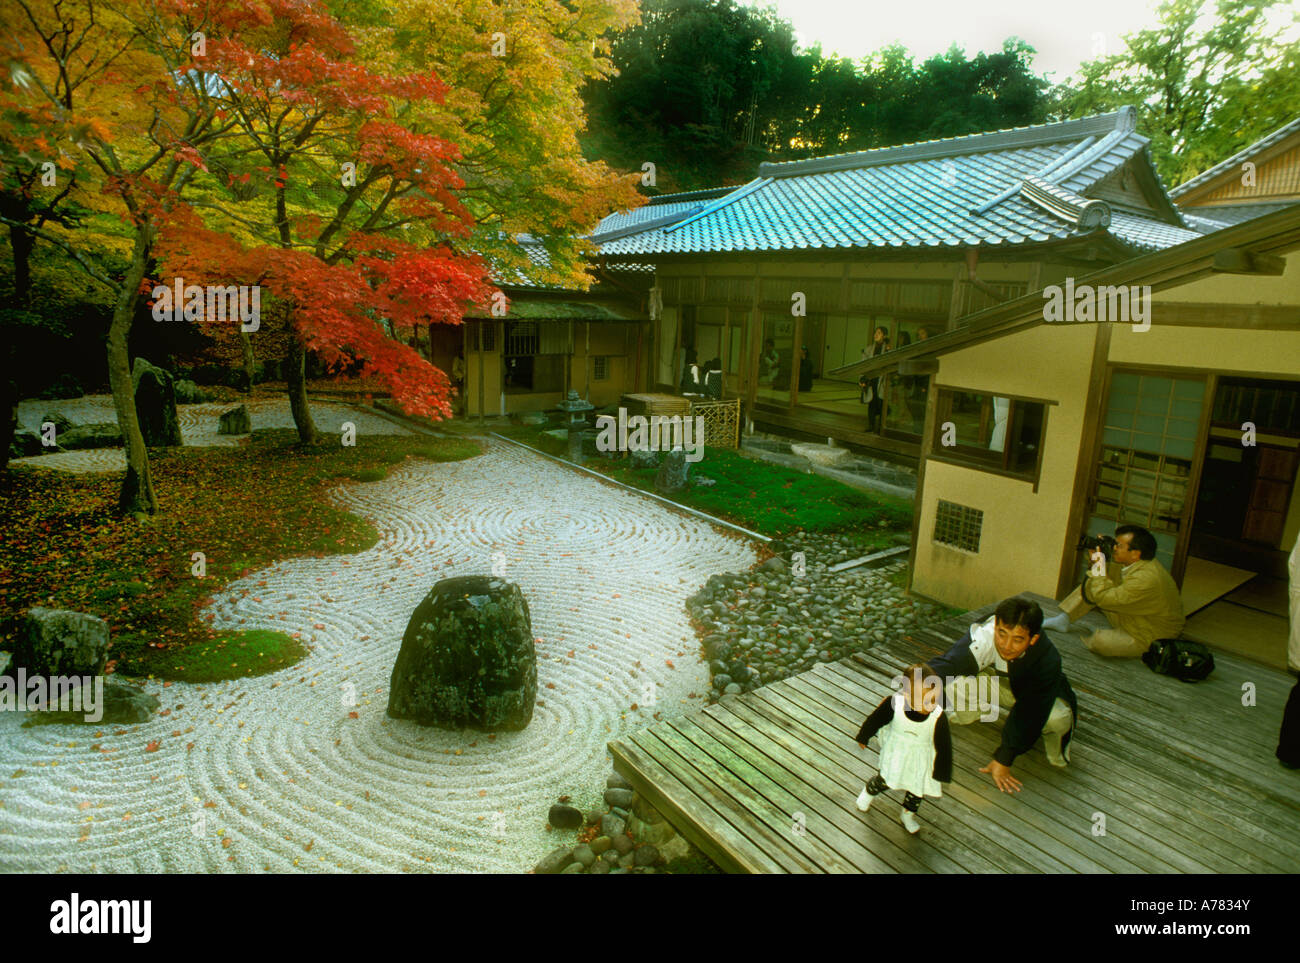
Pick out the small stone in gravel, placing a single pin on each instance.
(611, 825)
(627, 860)
(554, 863)
(616, 781)
(572, 869)
(600, 844)
(732, 689)
(564, 817)
(622, 844)
(621, 798)
(610, 856)
(601, 868)
(593, 817)
(584, 854)
(647, 855)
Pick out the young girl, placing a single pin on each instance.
(915, 745)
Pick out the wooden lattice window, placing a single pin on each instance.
(489, 329)
(958, 526)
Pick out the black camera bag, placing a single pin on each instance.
(1183, 659)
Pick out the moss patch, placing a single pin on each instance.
(243, 509)
(770, 499)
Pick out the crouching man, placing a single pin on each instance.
(1031, 683)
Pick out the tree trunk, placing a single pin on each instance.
(250, 362)
(21, 241)
(137, 486)
(8, 416)
(295, 375)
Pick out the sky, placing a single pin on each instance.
(1064, 32)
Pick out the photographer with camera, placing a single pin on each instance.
(1140, 601)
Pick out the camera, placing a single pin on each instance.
(1090, 543)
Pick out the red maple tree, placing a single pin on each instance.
(335, 195)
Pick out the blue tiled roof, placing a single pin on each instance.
(1209, 219)
(1234, 162)
(938, 194)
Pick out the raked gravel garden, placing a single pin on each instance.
(639, 611)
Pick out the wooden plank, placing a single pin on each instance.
(864, 559)
(1217, 768)
(757, 819)
(1133, 835)
(828, 835)
(844, 784)
(689, 814)
(986, 807)
(749, 839)
(954, 821)
(829, 800)
(1033, 825)
(1221, 815)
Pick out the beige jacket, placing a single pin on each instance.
(1144, 601)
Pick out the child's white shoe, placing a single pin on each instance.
(864, 800)
(910, 822)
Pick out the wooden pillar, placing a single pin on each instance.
(586, 366)
(795, 360)
(927, 445)
(1084, 467)
(636, 368)
(753, 348)
(480, 332)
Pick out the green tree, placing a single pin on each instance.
(1204, 92)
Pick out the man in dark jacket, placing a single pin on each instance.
(1031, 681)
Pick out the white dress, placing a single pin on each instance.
(907, 752)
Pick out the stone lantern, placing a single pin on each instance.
(577, 410)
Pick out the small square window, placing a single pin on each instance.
(958, 526)
(600, 367)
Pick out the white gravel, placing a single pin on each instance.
(275, 764)
(198, 426)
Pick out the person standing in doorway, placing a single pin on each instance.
(458, 381)
(874, 386)
(805, 370)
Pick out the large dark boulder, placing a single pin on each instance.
(58, 420)
(26, 444)
(155, 404)
(99, 435)
(644, 458)
(121, 705)
(467, 658)
(60, 642)
(673, 472)
(234, 421)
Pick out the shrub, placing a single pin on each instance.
(64, 386)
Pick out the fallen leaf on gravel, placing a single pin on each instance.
(225, 843)
(153, 746)
(669, 663)
(353, 715)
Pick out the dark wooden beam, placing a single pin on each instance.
(919, 366)
(1235, 260)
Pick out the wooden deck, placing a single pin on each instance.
(1184, 776)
